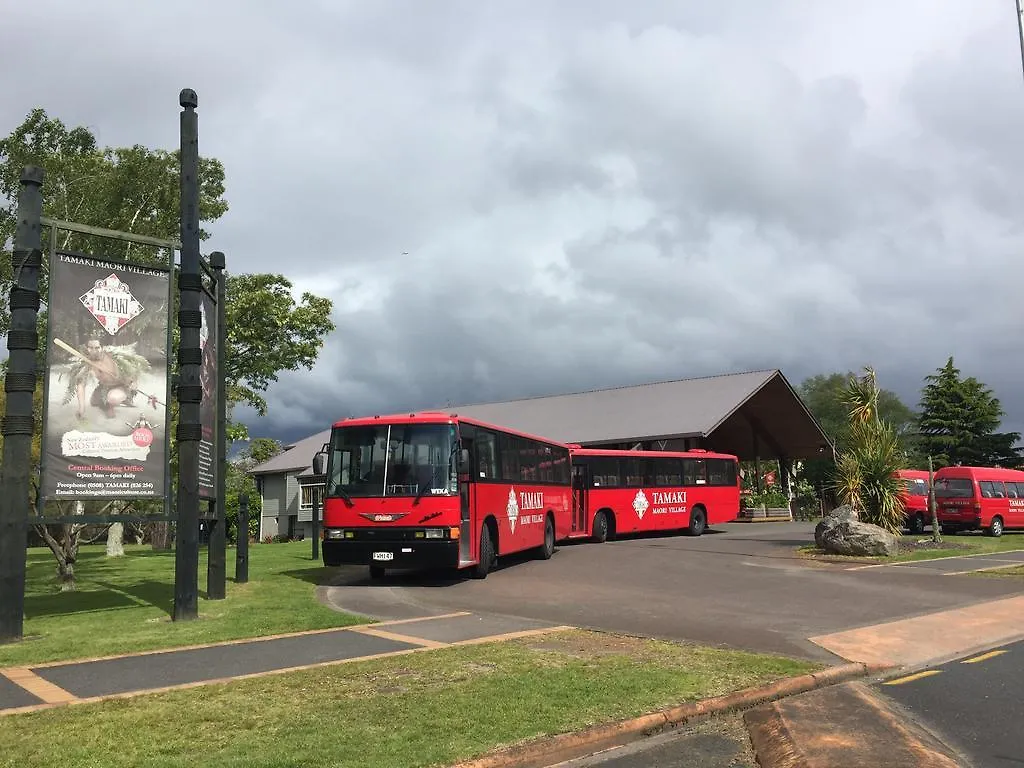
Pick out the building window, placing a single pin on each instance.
(306, 496)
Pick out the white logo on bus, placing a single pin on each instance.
(512, 509)
(640, 504)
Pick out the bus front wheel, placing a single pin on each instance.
(483, 567)
(548, 547)
(599, 531)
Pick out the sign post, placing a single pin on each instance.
(190, 391)
(20, 385)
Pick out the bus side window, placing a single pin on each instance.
(486, 455)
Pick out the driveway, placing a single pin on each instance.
(741, 585)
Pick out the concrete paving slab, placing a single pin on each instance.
(158, 670)
(930, 638)
(13, 695)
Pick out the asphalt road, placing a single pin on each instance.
(741, 586)
(976, 707)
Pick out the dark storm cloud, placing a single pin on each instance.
(507, 200)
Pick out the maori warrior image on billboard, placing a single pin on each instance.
(106, 413)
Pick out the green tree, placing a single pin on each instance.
(866, 466)
(269, 332)
(130, 189)
(239, 481)
(825, 397)
(958, 422)
(136, 189)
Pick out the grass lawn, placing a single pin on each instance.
(1013, 572)
(921, 547)
(423, 709)
(125, 604)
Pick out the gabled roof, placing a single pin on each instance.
(724, 409)
(297, 456)
(680, 408)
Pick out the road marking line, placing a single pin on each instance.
(384, 634)
(1012, 564)
(915, 676)
(906, 563)
(37, 686)
(984, 657)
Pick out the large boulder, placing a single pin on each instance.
(852, 537)
(838, 515)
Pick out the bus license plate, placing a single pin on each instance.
(383, 555)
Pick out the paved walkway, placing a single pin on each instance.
(40, 686)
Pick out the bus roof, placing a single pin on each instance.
(696, 453)
(983, 473)
(912, 474)
(436, 417)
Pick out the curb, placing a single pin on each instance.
(548, 751)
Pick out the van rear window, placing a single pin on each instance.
(953, 488)
(915, 487)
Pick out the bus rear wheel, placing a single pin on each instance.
(698, 522)
(996, 529)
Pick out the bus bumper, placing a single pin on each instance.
(443, 553)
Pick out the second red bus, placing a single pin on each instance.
(619, 491)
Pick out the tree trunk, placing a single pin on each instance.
(160, 535)
(115, 540)
(66, 549)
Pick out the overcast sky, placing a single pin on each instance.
(507, 199)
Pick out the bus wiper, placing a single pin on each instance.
(421, 490)
(344, 494)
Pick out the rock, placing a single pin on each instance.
(852, 537)
(838, 515)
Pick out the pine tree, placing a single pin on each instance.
(958, 422)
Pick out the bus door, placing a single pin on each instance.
(579, 498)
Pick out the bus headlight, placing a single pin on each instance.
(334, 533)
(435, 533)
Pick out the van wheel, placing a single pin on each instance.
(996, 529)
(376, 572)
(548, 548)
(698, 522)
(599, 531)
(917, 523)
(481, 569)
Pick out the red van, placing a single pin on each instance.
(972, 498)
(914, 495)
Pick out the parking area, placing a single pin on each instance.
(741, 585)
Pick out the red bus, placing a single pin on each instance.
(437, 490)
(973, 498)
(616, 491)
(914, 495)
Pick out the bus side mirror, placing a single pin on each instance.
(463, 458)
(319, 463)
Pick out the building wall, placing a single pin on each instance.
(274, 500)
(283, 511)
